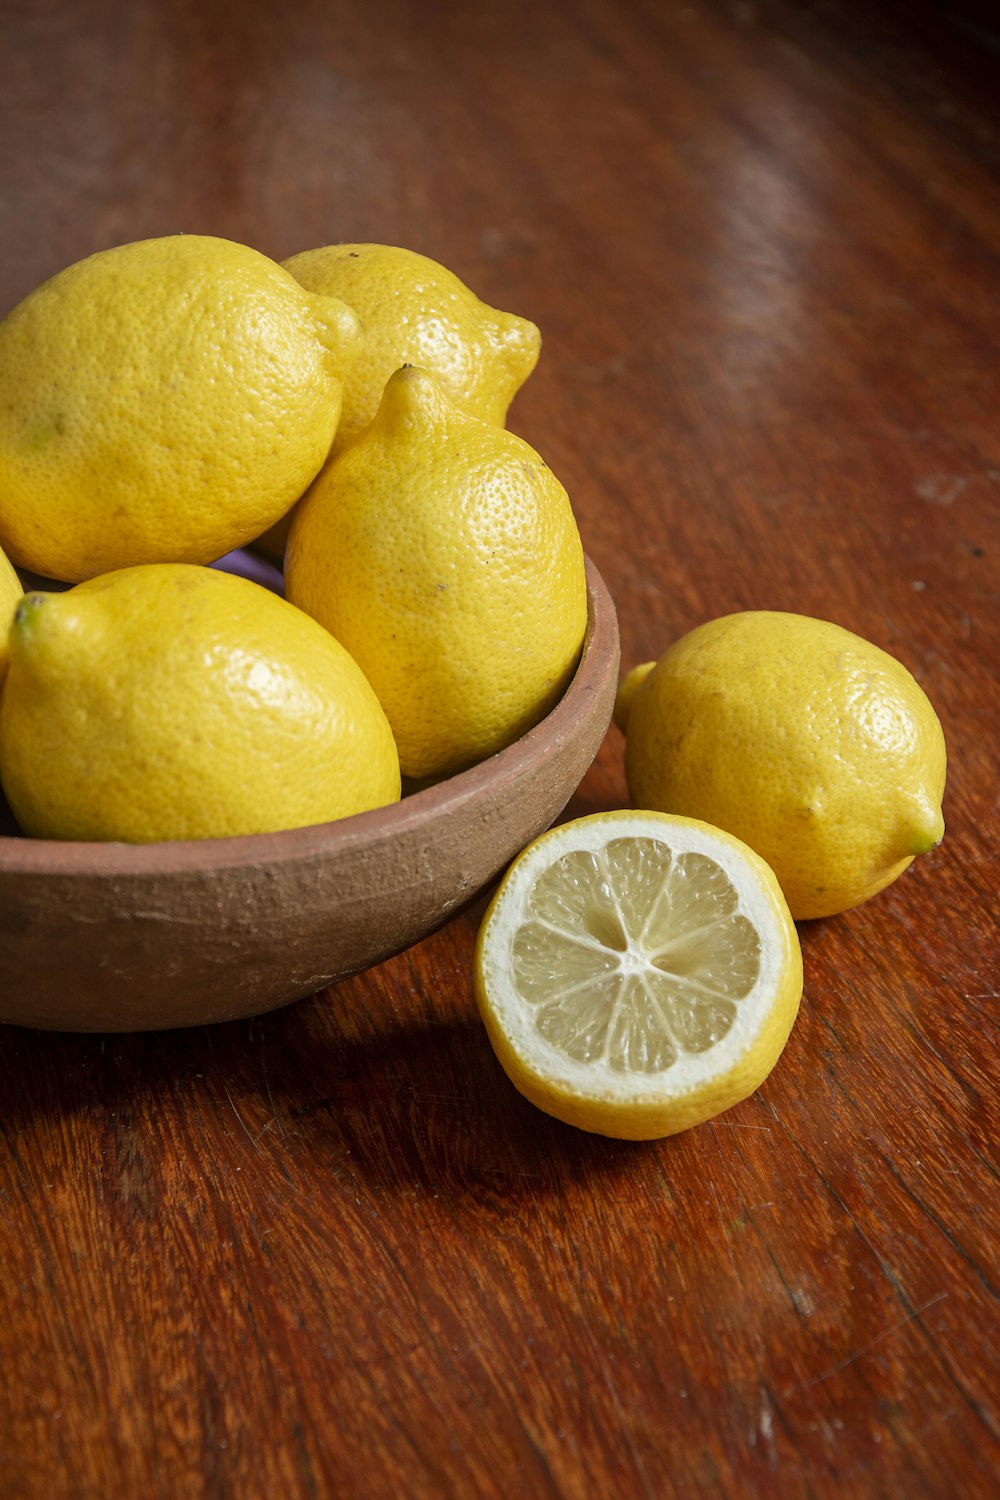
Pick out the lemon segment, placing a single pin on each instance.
(637, 973)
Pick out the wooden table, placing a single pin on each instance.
(331, 1252)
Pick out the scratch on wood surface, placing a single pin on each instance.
(765, 1428)
(600, 1355)
(878, 1339)
(640, 1467)
(275, 1118)
(941, 489)
(727, 1237)
(802, 1302)
(939, 1420)
(447, 1098)
(247, 1131)
(766, 1419)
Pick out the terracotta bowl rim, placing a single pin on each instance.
(65, 857)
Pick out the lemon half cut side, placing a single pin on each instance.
(638, 973)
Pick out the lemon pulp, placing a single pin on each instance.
(633, 955)
(638, 973)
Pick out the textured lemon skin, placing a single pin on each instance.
(10, 595)
(169, 701)
(416, 312)
(164, 400)
(813, 746)
(627, 689)
(651, 1114)
(444, 554)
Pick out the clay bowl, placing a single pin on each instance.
(122, 937)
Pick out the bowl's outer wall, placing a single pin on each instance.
(125, 938)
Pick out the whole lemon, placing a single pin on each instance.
(813, 746)
(415, 311)
(444, 554)
(10, 593)
(166, 400)
(169, 701)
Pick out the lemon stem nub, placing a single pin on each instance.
(26, 609)
(413, 395)
(339, 330)
(924, 828)
(627, 689)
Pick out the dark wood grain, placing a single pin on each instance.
(330, 1251)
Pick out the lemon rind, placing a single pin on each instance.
(729, 1070)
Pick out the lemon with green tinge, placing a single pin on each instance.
(443, 553)
(637, 973)
(415, 311)
(166, 400)
(169, 701)
(810, 744)
(10, 595)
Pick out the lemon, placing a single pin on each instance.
(163, 401)
(168, 701)
(415, 311)
(813, 746)
(627, 689)
(10, 593)
(443, 553)
(637, 973)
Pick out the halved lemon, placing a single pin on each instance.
(638, 973)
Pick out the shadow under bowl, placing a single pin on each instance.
(144, 937)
